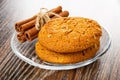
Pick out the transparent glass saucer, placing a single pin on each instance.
(26, 52)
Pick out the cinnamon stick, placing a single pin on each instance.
(21, 37)
(31, 34)
(18, 24)
(55, 10)
(27, 26)
(62, 14)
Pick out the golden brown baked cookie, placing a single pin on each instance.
(69, 34)
(60, 58)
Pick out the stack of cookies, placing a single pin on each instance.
(68, 40)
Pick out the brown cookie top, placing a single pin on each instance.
(69, 34)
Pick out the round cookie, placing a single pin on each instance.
(69, 34)
(61, 58)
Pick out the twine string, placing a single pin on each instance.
(43, 17)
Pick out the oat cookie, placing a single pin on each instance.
(69, 34)
(60, 58)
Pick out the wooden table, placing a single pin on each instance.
(106, 12)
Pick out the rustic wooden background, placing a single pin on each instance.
(106, 68)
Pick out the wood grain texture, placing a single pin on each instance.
(12, 68)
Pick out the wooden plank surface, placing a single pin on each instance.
(12, 68)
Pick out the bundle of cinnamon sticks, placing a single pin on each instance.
(26, 28)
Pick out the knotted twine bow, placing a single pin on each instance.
(43, 17)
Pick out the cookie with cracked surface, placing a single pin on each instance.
(69, 34)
